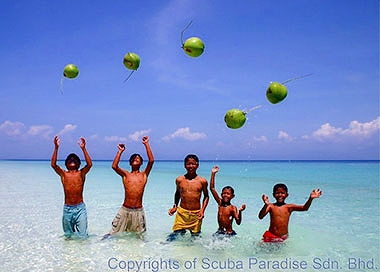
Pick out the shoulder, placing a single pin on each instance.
(180, 179)
(202, 179)
(232, 208)
(292, 206)
(122, 172)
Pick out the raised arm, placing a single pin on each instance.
(265, 209)
(239, 214)
(316, 193)
(87, 167)
(214, 170)
(53, 162)
(116, 160)
(145, 141)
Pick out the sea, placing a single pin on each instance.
(340, 231)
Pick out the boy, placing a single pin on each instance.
(187, 199)
(131, 215)
(74, 219)
(226, 211)
(280, 212)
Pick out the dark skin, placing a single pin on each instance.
(134, 181)
(226, 211)
(73, 179)
(280, 211)
(189, 189)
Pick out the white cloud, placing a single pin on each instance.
(115, 139)
(260, 139)
(68, 128)
(355, 129)
(282, 135)
(94, 137)
(136, 136)
(186, 134)
(363, 129)
(12, 128)
(43, 130)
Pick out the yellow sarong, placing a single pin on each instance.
(187, 220)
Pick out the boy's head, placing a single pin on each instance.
(72, 162)
(191, 156)
(228, 193)
(280, 192)
(229, 188)
(137, 158)
(191, 163)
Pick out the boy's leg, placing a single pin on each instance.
(67, 226)
(81, 221)
(172, 236)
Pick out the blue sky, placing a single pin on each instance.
(180, 101)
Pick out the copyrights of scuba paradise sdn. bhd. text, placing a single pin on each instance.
(246, 264)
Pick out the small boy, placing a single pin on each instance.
(226, 211)
(74, 218)
(131, 215)
(187, 199)
(280, 212)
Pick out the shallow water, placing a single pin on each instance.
(339, 232)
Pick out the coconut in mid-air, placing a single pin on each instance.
(277, 92)
(235, 118)
(70, 71)
(131, 62)
(193, 46)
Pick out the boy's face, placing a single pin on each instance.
(72, 164)
(136, 161)
(191, 166)
(280, 195)
(227, 195)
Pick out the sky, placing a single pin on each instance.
(180, 101)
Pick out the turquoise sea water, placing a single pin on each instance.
(339, 232)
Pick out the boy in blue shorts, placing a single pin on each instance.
(74, 219)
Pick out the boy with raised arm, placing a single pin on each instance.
(280, 212)
(74, 219)
(226, 211)
(187, 199)
(131, 215)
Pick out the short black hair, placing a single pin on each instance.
(133, 156)
(280, 185)
(191, 156)
(72, 156)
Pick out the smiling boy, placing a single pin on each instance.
(226, 211)
(187, 199)
(280, 212)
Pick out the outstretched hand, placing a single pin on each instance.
(242, 208)
(316, 193)
(215, 169)
(121, 147)
(265, 199)
(82, 142)
(56, 141)
(145, 139)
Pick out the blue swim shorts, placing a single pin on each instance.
(74, 220)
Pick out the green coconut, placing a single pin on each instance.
(131, 61)
(235, 118)
(70, 71)
(193, 47)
